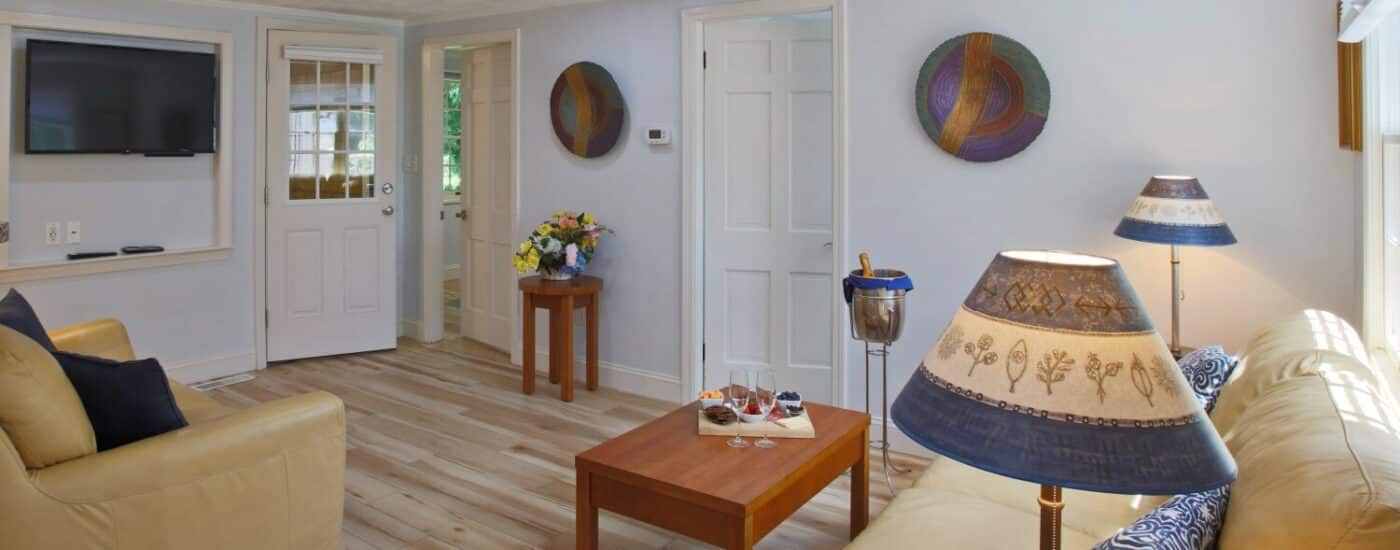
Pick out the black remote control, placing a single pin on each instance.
(90, 255)
(142, 249)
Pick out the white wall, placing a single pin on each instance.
(196, 316)
(1241, 94)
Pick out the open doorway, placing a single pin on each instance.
(470, 194)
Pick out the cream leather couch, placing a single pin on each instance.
(1312, 423)
(268, 477)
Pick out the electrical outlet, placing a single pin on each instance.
(75, 232)
(52, 234)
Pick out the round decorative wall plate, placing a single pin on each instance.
(586, 109)
(982, 97)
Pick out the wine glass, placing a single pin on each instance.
(738, 398)
(765, 391)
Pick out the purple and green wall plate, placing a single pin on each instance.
(586, 109)
(982, 97)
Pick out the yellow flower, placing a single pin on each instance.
(525, 247)
(545, 229)
(559, 213)
(587, 218)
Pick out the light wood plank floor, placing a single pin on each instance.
(445, 452)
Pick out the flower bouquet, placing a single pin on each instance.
(560, 248)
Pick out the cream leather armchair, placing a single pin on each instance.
(267, 477)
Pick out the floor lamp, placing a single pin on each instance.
(1176, 211)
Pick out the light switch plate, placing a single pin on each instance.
(75, 232)
(53, 234)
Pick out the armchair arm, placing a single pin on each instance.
(197, 452)
(105, 338)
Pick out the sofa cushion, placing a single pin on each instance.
(38, 408)
(1314, 435)
(16, 313)
(933, 517)
(1183, 522)
(1096, 514)
(125, 401)
(1285, 350)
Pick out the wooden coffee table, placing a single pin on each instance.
(666, 474)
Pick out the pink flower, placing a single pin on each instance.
(571, 255)
(568, 223)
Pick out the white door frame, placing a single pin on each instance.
(431, 322)
(265, 24)
(693, 178)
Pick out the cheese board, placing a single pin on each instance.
(777, 426)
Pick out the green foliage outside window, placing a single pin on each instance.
(452, 134)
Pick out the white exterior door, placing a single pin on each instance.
(769, 186)
(488, 113)
(330, 214)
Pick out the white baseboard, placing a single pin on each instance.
(213, 367)
(620, 377)
(898, 441)
(451, 272)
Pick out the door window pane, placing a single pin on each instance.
(331, 127)
(303, 83)
(302, 176)
(361, 90)
(452, 136)
(334, 78)
(332, 169)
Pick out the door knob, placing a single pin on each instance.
(461, 215)
(388, 210)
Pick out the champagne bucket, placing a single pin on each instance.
(877, 304)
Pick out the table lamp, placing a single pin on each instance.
(1052, 373)
(1175, 210)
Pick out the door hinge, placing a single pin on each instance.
(703, 351)
(442, 214)
(704, 60)
(267, 195)
(267, 317)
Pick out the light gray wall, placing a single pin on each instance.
(184, 315)
(1242, 100)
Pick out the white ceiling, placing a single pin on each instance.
(417, 10)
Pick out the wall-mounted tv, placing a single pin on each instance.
(90, 98)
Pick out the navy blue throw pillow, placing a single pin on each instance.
(125, 401)
(16, 314)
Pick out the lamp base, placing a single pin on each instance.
(1050, 507)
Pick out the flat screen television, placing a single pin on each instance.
(90, 98)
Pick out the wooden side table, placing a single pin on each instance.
(560, 298)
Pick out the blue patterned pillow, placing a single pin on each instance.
(1183, 522)
(1207, 369)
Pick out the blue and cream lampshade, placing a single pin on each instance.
(1175, 210)
(1051, 372)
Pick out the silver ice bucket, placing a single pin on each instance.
(877, 304)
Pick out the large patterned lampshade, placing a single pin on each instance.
(1051, 372)
(1175, 210)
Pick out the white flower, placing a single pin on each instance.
(571, 255)
(550, 245)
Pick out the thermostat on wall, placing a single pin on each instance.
(658, 136)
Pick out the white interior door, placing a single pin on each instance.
(769, 120)
(488, 112)
(330, 215)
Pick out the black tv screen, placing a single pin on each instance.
(89, 98)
